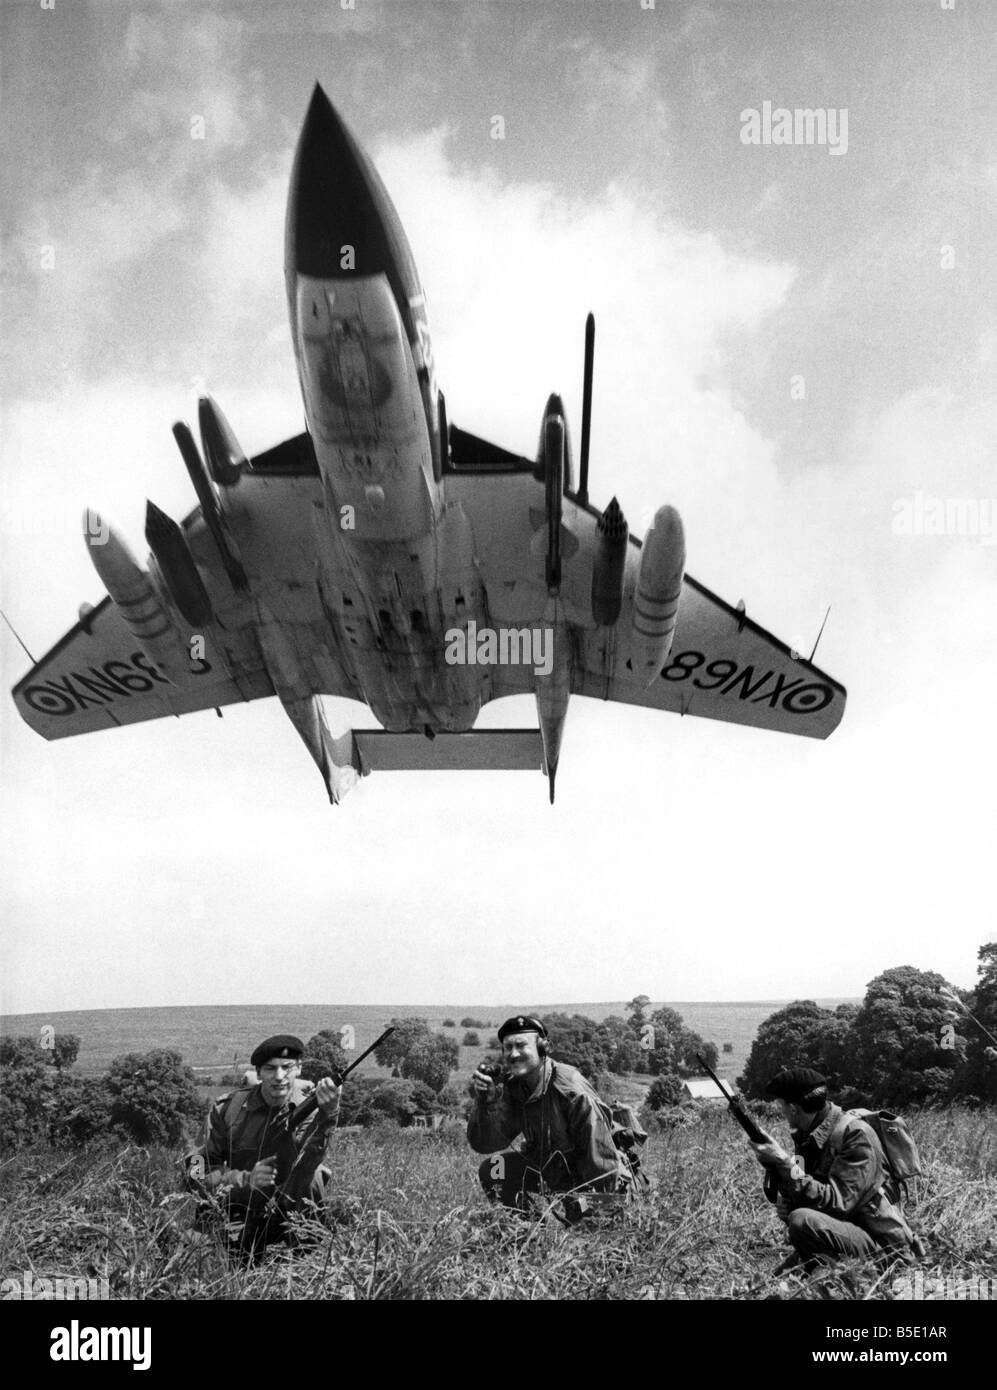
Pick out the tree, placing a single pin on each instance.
(579, 1041)
(800, 1035)
(19, 1052)
(903, 1047)
(419, 1054)
(356, 1106)
(637, 1011)
(39, 1094)
(25, 1093)
(471, 1040)
(673, 1046)
(624, 1050)
(153, 1097)
(64, 1050)
(324, 1054)
(59, 1050)
(401, 1100)
(431, 1060)
(978, 1076)
(449, 1023)
(666, 1090)
(408, 1032)
(81, 1110)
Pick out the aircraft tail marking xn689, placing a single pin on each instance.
(357, 558)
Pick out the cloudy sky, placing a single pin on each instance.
(797, 346)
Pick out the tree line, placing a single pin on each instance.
(913, 1040)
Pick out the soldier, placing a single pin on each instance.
(246, 1131)
(568, 1131)
(830, 1191)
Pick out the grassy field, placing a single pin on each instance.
(408, 1222)
(213, 1039)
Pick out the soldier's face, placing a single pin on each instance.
(277, 1076)
(520, 1053)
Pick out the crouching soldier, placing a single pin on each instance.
(567, 1130)
(250, 1163)
(830, 1191)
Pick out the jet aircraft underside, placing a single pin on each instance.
(388, 558)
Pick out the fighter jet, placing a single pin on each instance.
(389, 557)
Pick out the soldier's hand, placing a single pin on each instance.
(327, 1093)
(263, 1176)
(483, 1085)
(771, 1155)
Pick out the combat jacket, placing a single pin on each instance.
(842, 1184)
(562, 1114)
(241, 1129)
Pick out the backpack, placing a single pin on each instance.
(629, 1136)
(887, 1223)
(902, 1159)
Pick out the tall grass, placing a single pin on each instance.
(406, 1220)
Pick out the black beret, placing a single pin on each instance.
(522, 1023)
(283, 1046)
(794, 1084)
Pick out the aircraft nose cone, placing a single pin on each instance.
(337, 202)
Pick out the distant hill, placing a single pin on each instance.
(221, 1037)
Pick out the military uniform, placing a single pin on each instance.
(241, 1130)
(567, 1133)
(834, 1200)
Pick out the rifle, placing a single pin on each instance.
(286, 1157)
(302, 1111)
(737, 1108)
(309, 1104)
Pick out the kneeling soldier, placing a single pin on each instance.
(567, 1130)
(246, 1133)
(830, 1193)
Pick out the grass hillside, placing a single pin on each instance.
(408, 1222)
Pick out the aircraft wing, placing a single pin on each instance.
(97, 677)
(722, 664)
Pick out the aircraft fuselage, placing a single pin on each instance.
(361, 340)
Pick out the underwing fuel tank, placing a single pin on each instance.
(657, 596)
(134, 595)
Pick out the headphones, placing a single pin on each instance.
(523, 1023)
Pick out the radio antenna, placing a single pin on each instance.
(14, 631)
